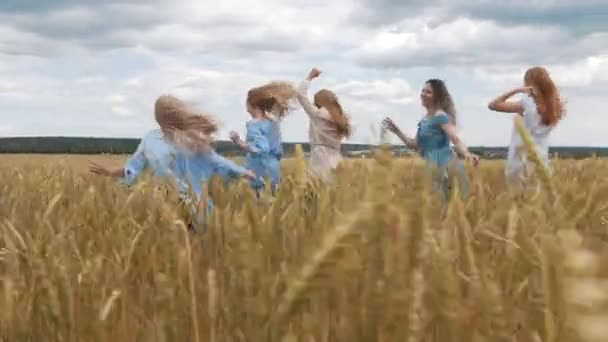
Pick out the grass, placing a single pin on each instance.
(373, 259)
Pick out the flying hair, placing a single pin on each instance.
(188, 126)
(273, 98)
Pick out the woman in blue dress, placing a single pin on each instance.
(180, 151)
(435, 132)
(267, 106)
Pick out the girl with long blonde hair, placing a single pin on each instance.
(180, 151)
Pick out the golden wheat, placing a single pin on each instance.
(373, 257)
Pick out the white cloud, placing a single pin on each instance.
(590, 72)
(92, 68)
(467, 42)
(579, 17)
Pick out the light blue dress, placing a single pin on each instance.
(188, 170)
(266, 150)
(434, 147)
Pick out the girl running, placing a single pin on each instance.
(541, 109)
(267, 106)
(179, 151)
(435, 131)
(328, 126)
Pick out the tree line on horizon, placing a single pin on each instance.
(78, 145)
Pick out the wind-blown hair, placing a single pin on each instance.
(442, 98)
(273, 98)
(548, 102)
(183, 121)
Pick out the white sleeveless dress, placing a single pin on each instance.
(518, 166)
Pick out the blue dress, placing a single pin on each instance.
(265, 152)
(188, 170)
(434, 147)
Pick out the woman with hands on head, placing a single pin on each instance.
(435, 132)
(541, 109)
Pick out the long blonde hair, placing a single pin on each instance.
(327, 99)
(183, 121)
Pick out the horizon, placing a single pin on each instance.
(284, 142)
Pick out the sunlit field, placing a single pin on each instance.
(375, 258)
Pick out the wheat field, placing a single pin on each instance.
(375, 258)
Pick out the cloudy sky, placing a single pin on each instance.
(94, 68)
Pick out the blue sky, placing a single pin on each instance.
(93, 68)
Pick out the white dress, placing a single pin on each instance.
(518, 167)
(325, 142)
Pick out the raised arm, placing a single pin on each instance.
(500, 104)
(302, 96)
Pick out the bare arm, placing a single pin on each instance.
(409, 142)
(500, 103)
(392, 127)
(95, 168)
(302, 95)
(461, 148)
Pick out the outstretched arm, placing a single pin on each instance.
(390, 126)
(97, 169)
(134, 166)
(500, 103)
(227, 167)
(461, 148)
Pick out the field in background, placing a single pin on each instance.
(374, 259)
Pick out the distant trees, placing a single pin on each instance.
(70, 145)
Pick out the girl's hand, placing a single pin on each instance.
(250, 174)
(314, 73)
(234, 136)
(390, 126)
(97, 169)
(473, 158)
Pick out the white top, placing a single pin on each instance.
(539, 132)
(325, 141)
(322, 130)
